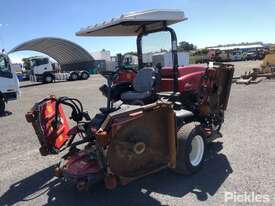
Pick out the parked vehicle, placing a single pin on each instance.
(43, 70)
(251, 56)
(198, 56)
(19, 70)
(163, 122)
(9, 85)
(165, 59)
(235, 56)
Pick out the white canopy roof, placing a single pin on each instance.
(130, 24)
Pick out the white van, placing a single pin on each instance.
(9, 84)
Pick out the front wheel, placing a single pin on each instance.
(2, 106)
(48, 79)
(191, 149)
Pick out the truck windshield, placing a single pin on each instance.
(38, 62)
(3, 64)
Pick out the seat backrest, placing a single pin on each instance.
(144, 80)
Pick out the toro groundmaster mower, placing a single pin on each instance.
(167, 116)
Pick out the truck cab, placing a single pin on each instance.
(40, 65)
(9, 84)
(41, 69)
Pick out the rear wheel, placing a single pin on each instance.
(85, 75)
(2, 106)
(191, 149)
(74, 76)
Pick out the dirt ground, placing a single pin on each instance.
(242, 162)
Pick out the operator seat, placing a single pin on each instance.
(143, 86)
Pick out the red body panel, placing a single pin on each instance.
(125, 76)
(42, 117)
(189, 78)
(80, 164)
(56, 137)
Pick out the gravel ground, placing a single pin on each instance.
(242, 162)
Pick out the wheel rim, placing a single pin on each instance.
(48, 79)
(74, 77)
(84, 76)
(197, 150)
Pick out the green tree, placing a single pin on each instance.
(131, 53)
(186, 46)
(26, 63)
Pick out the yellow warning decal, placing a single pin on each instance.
(49, 109)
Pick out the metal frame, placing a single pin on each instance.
(174, 51)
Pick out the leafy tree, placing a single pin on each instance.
(26, 63)
(200, 52)
(186, 46)
(131, 53)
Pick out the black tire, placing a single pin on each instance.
(85, 75)
(48, 78)
(185, 136)
(74, 76)
(2, 106)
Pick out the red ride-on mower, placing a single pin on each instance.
(168, 114)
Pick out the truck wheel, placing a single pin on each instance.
(48, 79)
(85, 75)
(2, 106)
(74, 76)
(191, 149)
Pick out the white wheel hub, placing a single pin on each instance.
(74, 76)
(48, 79)
(84, 75)
(197, 151)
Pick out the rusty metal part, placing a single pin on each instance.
(204, 109)
(139, 148)
(215, 89)
(267, 75)
(143, 144)
(57, 172)
(111, 182)
(172, 131)
(132, 112)
(222, 86)
(102, 137)
(254, 77)
(82, 185)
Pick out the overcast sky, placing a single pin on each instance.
(209, 22)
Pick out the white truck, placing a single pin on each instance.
(43, 70)
(165, 59)
(9, 84)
